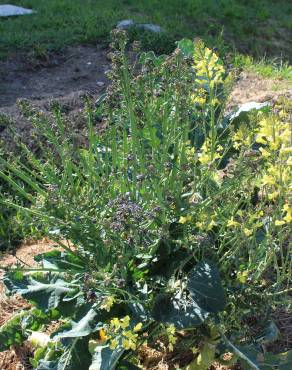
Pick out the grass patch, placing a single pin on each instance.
(273, 69)
(251, 26)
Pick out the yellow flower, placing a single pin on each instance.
(200, 225)
(279, 222)
(138, 327)
(232, 223)
(128, 344)
(288, 217)
(242, 276)
(247, 232)
(113, 344)
(199, 100)
(102, 335)
(107, 305)
(125, 322)
(264, 152)
(273, 195)
(185, 219)
(115, 323)
(211, 225)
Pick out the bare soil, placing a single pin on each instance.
(66, 78)
(252, 87)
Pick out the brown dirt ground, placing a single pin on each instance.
(252, 87)
(66, 78)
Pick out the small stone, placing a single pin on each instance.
(100, 83)
(150, 27)
(12, 10)
(125, 24)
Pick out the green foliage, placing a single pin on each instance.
(169, 211)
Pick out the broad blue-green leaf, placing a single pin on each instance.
(106, 359)
(181, 313)
(187, 47)
(241, 115)
(269, 334)
(82, 328)
(60, 260)
(254, 359)
(45, 294)
(75, 356)
(205, 287)
(47, 365)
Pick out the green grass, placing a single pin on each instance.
(274, 69)
(252, 27)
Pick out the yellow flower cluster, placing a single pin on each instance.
(123, 334)
(287, 218)
(276, 137)
(185, 219)
(242, 137)
(206, 156)
(108, 303)
(207, 65)
(247, 223)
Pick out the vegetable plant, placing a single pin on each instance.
(171, 222)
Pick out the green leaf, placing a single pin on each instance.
(45, 294)
(181, 313)
(75, 356)
(60, 260)
(187, 47)
(11, 332)
(205, 287)
(106, 359)
(205, 358)
(15, 331)
(267, 361)
(269, 334)
(82, 328)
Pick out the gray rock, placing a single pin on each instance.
(150, 27)
(11, 10)
(125, 24)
